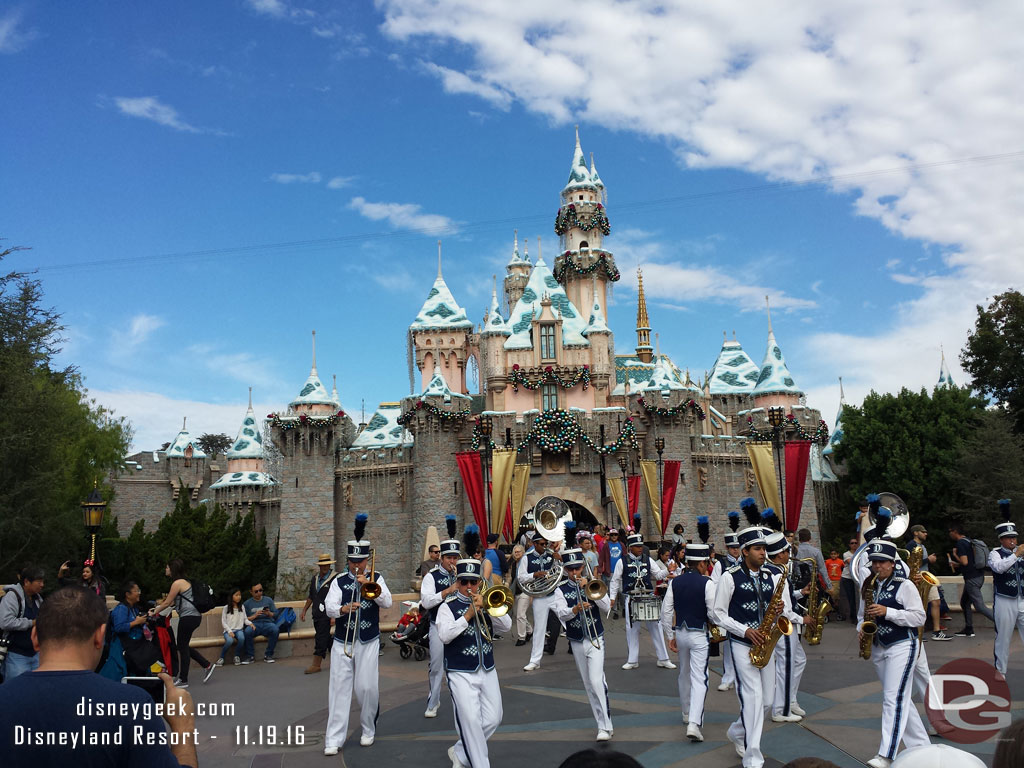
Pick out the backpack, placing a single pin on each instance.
(202, 597)
(980, 554)
(285, 619)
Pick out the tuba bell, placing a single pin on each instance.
(900, 520)
(550, 515)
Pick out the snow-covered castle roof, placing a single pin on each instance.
(313, 392)
(440, 310)
(596, 323)
(639, 373)
(542, 283)
(383, 429)
(233, 479)
(249, 442)
(181, 443)
(945, 380)
(496, 325)
(579, 174)
(775, 376)
(733, 372)
(438, 387)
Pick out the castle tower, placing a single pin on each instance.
(186, 463)
(602, 344)
(581, 224)
(775, 385)
(440, 335)
(732, 379)
(945, 379)
(518, 272)
(492, 354)
(643, 324)
(313, 398)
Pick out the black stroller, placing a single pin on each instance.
(412, 637)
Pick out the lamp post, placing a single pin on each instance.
(92, 516)
(659, 446)
(486, 428)
(777, 421)
(623, 461)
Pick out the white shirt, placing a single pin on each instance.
(564, 613)
(723, 596)
(333, 604)
(616, 585)
(1000, 564)
(429, 596)
(912, 613)
(449, 628)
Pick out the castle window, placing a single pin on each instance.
(547, 342)
(581, 197)
(584, 244)
(549, 397)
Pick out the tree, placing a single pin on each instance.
(994, 353)
(214, 444)
(910, 444)
(55, 443)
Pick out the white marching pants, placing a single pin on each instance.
(590, 663)
(633, 638)
(728, 673)
(476, 699)
(790, 661)
(436, 667)
(541, 606)
(522, 625)
(692, 647)
(755, 689)
(1009, 613)
(356, 675)
(900, 720)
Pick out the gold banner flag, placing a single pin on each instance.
(649, 470)
(615, 487)
(764, 471)
(520, 479)
(503, 462)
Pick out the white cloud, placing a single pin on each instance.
(296, 178)
(141, 327)
(151, 108)
(243, 367)
(13, 39)
(269, 7)
(340, 182)
(404, 216)
(454, 81)
(793, 92)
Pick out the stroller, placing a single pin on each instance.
(411, 634)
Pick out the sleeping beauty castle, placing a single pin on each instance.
(558, 413)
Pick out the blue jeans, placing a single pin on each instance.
(243, 638)
(269, 630)
(19, 664)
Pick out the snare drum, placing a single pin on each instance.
(646, 608)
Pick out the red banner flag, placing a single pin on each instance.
(633, 486)
(472, 473)
(669, 483)
(798, 458)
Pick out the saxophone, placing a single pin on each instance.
(773, 626)
(817, 609)
(923, 580)
(868, 628)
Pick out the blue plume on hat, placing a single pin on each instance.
(360, 526)
(750, 510)
(1004, 509)
(873, 502)
(769, 518)
(637, 519)
(570, 534)
(471, 539)
(734, 520)
(449, 521)
(703, 528)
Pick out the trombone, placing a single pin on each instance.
(594, 590)
(497, 601)
(369, 591)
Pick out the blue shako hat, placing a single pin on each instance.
(572, 558)
(1005, 528)
(451, 545)
(468, 569)
(775, 543)
(748, 537)
(880, 549)
(358, 547)
(698, 551)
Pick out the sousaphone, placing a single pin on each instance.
(900, 520)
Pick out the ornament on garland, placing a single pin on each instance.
(557, 431)
(433, 410)
(518, 378)
(820, 435)
(477, 434)
(567, 218)
(603, 261)
(304, 420)
(679, 410)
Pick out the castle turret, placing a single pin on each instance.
(518, 272)
(186, 463)
(440, 334)
(644, 350)
(492, 354)
(581, 224)
(775, 385)
(246, 483)
(313, 397)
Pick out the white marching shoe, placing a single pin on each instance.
(739, 747)
(693, 733)
(667, 664)
(603, 736)
(725, 686)
(630, 665)
(879, 762)
(796, 709)
(454, 759)
(366, 741)
(330, 751)
(786, 718)
(432, 711)
(530, 667)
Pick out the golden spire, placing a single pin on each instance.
(643, 324)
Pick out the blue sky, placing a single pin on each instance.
(202, 184)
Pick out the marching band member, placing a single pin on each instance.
(438, 585)
(791, 660)
(633, 573)
(1007, 564)
(744, 594)
(586, 636)
(462, 625)
(688, 607)
(732, 557)
(535, 565)
(897, 612)
(356, 644)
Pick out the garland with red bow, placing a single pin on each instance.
(304, 420)
(679, 410)
(518, 378)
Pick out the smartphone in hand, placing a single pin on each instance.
(154, 686)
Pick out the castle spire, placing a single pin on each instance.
(769, 306)
(438, 259)
(313, 372)
(842, 395)
(643, 324)
(250, 398)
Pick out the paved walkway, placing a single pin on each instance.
(548, 710)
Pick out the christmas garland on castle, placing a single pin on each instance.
(518, 378)
(820, 435)
(304, 420)
(567, 218)
(604, 261)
